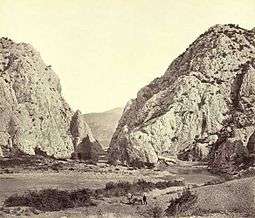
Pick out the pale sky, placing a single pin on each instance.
(104, 51)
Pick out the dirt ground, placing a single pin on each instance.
(71, 176)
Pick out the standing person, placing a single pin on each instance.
(144, 199)
(129, 196)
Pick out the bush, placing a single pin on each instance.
(55, 200)
(117, 189)
(109, 185)
(137, 164)
(51, 199)
(167, 184)
(215, 181)
(57, 166)
(155, 211)
(182, 203)
(122, 188)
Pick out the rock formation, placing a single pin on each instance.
(34, 117)
(104, 124)
(204, 103)
(89, 150)
(85, 145)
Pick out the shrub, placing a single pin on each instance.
(122, 188)
(51, 199)
(182, 203)
(117, 189)
(57, 166)
(109, 185)
(216, 181)
(138, 164)
(166, 184)
(155, 211)
(55, 200)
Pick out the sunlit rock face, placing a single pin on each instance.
(205, 98)
(34, 117)
(33, 114)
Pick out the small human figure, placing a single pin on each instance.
(129, 196)
(144, 199)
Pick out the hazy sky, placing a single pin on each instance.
(104, 51)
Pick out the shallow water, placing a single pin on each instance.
(190, 174)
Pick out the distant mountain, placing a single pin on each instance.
(104, 124)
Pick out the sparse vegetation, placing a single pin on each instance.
(182, 203)
(122, 188)
(155, 211)
(216, 181)
(51, 199)
(55, 200)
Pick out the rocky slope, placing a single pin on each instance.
(203, 106)
(34, 117)
(104, 124)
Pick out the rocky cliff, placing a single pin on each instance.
(34, 117)
(203, 106)
(104, 124)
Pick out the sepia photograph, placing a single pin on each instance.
(127, 108)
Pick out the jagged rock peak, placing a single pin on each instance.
(202, 97)
(79, 128)
(85, 145)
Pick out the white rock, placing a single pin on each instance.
(206, 91)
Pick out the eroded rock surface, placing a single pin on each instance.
(34, 117)
(205, 98)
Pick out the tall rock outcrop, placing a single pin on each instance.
(34, 117)
(204, 103)
(85, 145)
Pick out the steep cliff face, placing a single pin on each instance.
(33, 115)
(205, 98)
